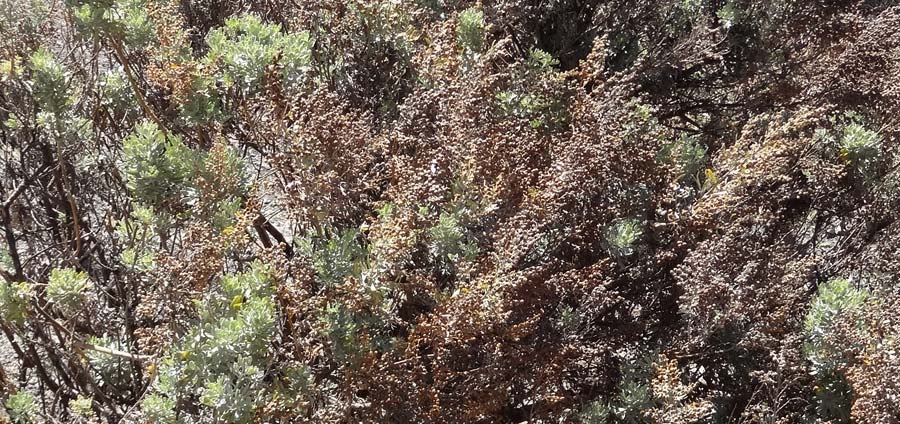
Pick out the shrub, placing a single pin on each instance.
(446, 211)
(125, 19)
(158, 167)
(687, 155)
(622, 237)
(536, 93)
(470, 32)
(860, 147)
(117, 94)
(109, 370)
(448, 243)
(634, 397)
(67, 288)
(159, 409)
(223, 357)
(538, 109)
(541, 61)
(835, 302)
(222, 184)
(245, 46)
(729, 14)
(337, 257)
(596, 412)
(630, 401)
(50, 81)
(857, 146)
(139, 234)
(82, 407)
(22, 408)
(14, 298)
(23, 19)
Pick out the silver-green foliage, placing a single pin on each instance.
(835, 303)
(226, 186)
(856, 144)
(337, 257)
(622, 237)
(687, 155)
(471, 31)
(470, 36)
(449, 243)
(127, 20)
(634, 395)
(25, 16)
(82, 408)
(860, 146)
(158, 408)
(117, 95)
(596, 412)
(342, 260)
(224, 357)
(49, 82)
(139, 234)
(246, 45)
(14, 299)
(158, 166)
(67, 287)
(631, 400)
(111, 370)
(538, 109)
(525, 101)
(55, 96)
(22, 408)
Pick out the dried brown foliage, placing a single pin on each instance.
(607, 212)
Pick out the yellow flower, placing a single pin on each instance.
(711, 177)
(237, 302)
(151, 370)
(844, 155)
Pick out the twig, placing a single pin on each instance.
(80, 344)
(126, 65)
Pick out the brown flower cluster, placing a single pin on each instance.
(467, 211)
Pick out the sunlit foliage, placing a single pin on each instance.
(449, 211)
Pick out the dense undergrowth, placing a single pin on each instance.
(386, 211)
